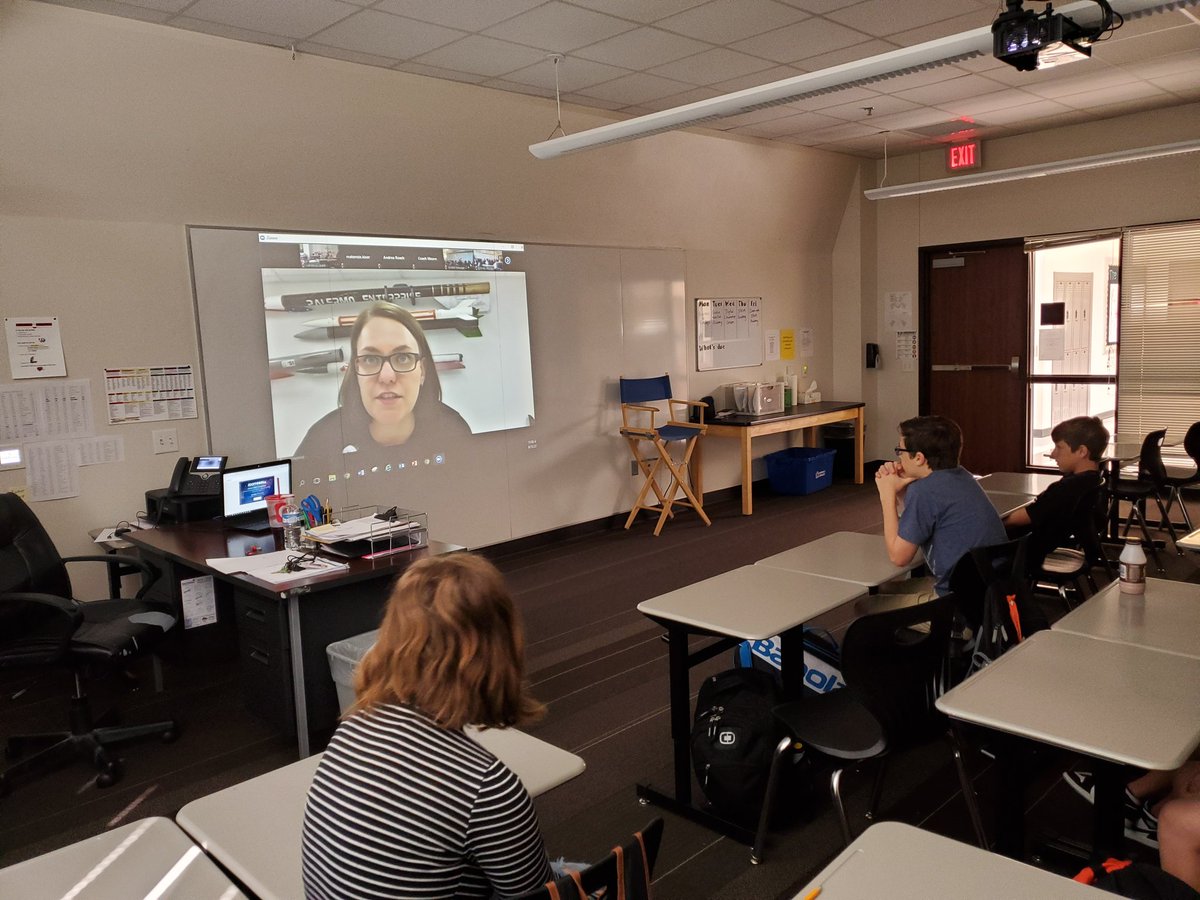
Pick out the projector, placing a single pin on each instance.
(1027, 40)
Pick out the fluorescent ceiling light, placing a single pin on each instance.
(1036, 171)
(940, 52)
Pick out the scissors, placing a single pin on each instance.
(312, 510)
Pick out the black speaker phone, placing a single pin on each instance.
(198, 477)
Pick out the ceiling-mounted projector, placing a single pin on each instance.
(1027, 40)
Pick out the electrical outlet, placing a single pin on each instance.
(165, 440)
(633, 470)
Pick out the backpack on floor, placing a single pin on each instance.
(1138, 881)
(733, 739)
(822, 659)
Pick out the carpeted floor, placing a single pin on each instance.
(600, 667)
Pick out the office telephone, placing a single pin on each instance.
(199, 477)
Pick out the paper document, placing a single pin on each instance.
(270, 567)
(199, 601)
(366, 528)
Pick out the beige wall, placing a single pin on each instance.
(1136, 193)
(116, 134)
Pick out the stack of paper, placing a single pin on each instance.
(272, 567)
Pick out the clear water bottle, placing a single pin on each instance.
(293, 527)
(1133, 567)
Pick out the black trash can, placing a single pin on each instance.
(839, 436)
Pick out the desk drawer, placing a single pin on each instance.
(264, 661)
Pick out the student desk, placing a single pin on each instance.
(747, 604)
(147, 858)
(1032, 483)
(845, 555)
(253, 828)
(1120, 704)
(282, 631)
(893, 861)
(1166, 617)
(1005, 502)
(747, 427)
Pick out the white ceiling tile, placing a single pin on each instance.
(883, 18)
(636, 88)
(695, 95)
(480, 55)
(416, 68)
(638, 10)
(810, 37)
(1037, 109)
(879, 106)
(297, 18)
(382, 34)
(756, 117)
(364, 59)
(920, 117)
(573, 74)
(950, 89)
(1185, 87)
(642, 47)
(230, 32)
(1187, 63)
(596, 102)
(977, 105)
(1077, 78)
(467, 15)
(1124, 49)
(725, 21)
(979, 18)
(718, 64)
(513, 87)
(766, 76)
(805, 122)
(844, 130)
(158, 14)
(847, 54)
(834, 98)
(820, 7)
(1138, 91)
(558, 27)
(902, 83)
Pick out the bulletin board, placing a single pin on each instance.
(728, 332)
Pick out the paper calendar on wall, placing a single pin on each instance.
(728, 332)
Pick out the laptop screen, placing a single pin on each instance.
(246, 488)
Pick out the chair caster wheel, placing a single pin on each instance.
(754, 860)
(110, 775)
(642, 801)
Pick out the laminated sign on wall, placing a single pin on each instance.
(728, 332)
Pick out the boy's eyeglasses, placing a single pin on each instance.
(900, 450)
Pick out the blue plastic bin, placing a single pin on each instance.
(800, 470)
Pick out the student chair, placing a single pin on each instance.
(892, 664)
(638, 428)
(622, 875)
(43, 626)
(1176, 484)
(1151, 483)
(1071, 565)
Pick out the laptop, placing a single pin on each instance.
(244, 492)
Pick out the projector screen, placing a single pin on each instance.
(455, 311)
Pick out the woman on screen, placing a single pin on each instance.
(390, 401)
(404, 803)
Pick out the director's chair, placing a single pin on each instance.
(636, 394)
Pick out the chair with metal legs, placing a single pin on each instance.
(1151, 483)
(1176, 483)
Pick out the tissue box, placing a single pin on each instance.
(812, 396)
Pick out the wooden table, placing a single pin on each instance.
(1166, 617)
(893, 861)
(253, 828)
(747, 604)
(281, 631)
(1121, 704)
(806, 417)
(147, 858)
(845, 555)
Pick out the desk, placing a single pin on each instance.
(1005, 502)
(899, 862)
(1032, 483)
(1121, 704)
(1166, 617)
(845, 555)
(747, 604)
(795, 418)
(253, 828)
(282, 630)
(135, 860)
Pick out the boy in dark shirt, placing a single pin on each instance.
(1050, 519)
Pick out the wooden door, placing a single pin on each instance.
(975, 310)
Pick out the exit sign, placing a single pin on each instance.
(963, 156)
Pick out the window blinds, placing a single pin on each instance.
(1159, 362)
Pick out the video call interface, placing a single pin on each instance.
(469, 299)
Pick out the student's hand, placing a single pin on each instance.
(890, 480)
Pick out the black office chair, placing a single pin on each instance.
(42, 625)
(1151, 482)
(1176, 483)
(892, 664)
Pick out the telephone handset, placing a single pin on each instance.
(199, 477)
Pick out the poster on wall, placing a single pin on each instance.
(149, 393)
(728, 332)
(35, 347)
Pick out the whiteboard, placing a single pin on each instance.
(728, 332)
